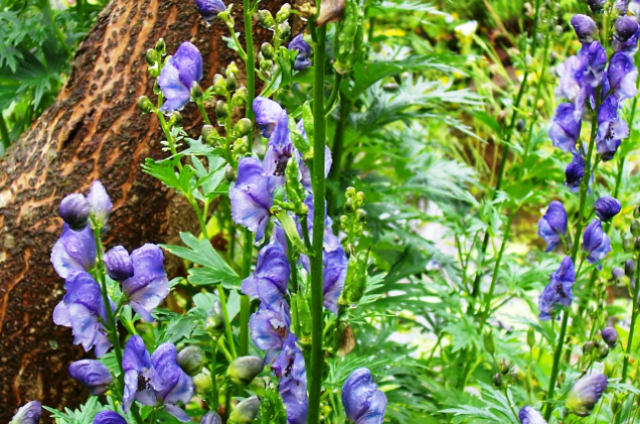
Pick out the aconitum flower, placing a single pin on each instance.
(100, 203)
(74, 210)
(607, 207)
(625, 36)
(553, 225)
(74, 250)
(269, 329)
(363, 402)
(149, 284)
(565, 128)
(177, 386)
(574, 172)
(303, 48)
(140, 377)
(529, 415)
(251, 197)
(28, 414)
(92, 374)
(280, 149)
(610, 336)
(211, 418)
(289, 367)
(571, 82)
(595, 60)
(595, 242)
(269, 281)
(334, 272)
(209, 9)
(108, 417)
(268, 114)
(621, 77)
(596, 6)
(585, 28)
(82, 308)
(178, 76)
(585, 393)
(305, 173)
(118, 263)
(611, 129)
(558, 291)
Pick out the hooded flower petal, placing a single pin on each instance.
(335, 271)
(209, 9)
(607, 207)
(149, 284)
(363, 402)
(303, 48)
(289, 367)
(177, 385)
(269, 281)
(268, 114)
(585, 393)
(280, 148)
(621, 77)
(595, 242)
(28, 414)
(140, 378)
(585, 28)
(553, 225)
(269, 328)
(211, 418)
(251, 197)
(74, 250)
(611, 129)
(558, 291)
(305, 173)
(108, 417)
(529, 415)
(118, 263)
(179, 74)
(92, 374)
(610, 336)
(100, 202)
(574, 172)
(625, 36)
(565, 128)
(595, 59)
(74, 210)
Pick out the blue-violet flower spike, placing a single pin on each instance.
(179, 74)
(140, 377)
(251, 197)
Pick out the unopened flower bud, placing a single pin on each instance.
(617, 273)
(489, 342)
(74, 209)
(239, 98)
(191, 359)
(214, 324)
(284, 13)
(211, 418)
(152, 58)
(284, 30)
(144, 104)
(244, 126)
(635, 227)
(627, 243)
(28, 414)
(244, 369)
(246, 411)
(625, 28)
(219, 85)
(585, 28)
(610, 336)
(520, 124)
(161, 47)
(588, 347)
(232, 69)
(196, 92)
(221, 110)
(267, 50)
(266, 19)
(230, 174)
(497, 380)
(203, 382)
(361, 214)
(596, 6)
(356, 281)
(603, 351)
(531, 337)
(630, 268)
(175, 119)
(118, 263)
(504, 365)
(231, 82)
(348, 205)
(585, 393)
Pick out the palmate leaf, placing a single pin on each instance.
(83, 415)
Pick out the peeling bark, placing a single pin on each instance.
(93, 131)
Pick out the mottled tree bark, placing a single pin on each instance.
(93, 131)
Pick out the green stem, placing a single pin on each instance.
(245, 302)
(634, 317)
(213, 401)
(4, 134)
(337, 150)
(319, 192)
(227, 324)
(334, 93)
(250, 61)
(203, 112)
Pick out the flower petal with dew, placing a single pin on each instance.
(595, 60)
(553, 224)
(28, 414)
(269, 281)
(363, 402)
(178, 76)
(559, 289)
(584, 27)
(268, 115)
(92, 374)
(625, 36)
(251, 197)
(118, 263)
(149, 284)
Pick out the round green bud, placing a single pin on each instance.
(267, 50)
(244, 126)
(203, 382)
(531, 337)
(219, 85)
(230, 174)
(284, 30)
(245, 411)
(231, 82)
(221, 110)
(144, 104)
(244, 369)
(627, 243)
(196, 91)
(588, 347)
(497, 380)
(239, 98)
(489, 342)
(191, 359)
(635, 227)
(284, 13)
(232, 69)
(636, 212)
(152, 58)
(266, 19)
(176, 118)
(161, 47)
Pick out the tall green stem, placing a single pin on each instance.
(4, 134)
(251, 60)
(634, 317)
(319, 192)
(336, 154)
(245, 302)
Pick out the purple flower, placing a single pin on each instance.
(140, 377)
(611, 129)
(269, 328)
(553, 225)
(28, 414)
(585, 28)
(585, 393)
(92, 374)
(595, 242)
(302, 60)
(177, 386)
(268, 114)
(595, 59)
(565, 128)
(558, 291)
(529, 415)
(74, 210)
(209, 9)
(334, 271)
(607, 207)
(251, 197)
(596, 6)
(574, 172)
(289, 367)
(363, 402)
(625, 36)
(621, 77)
(570, 85)
(118, 263)
(610, 336)
(108, 417)
(305, 173)
(269, 281)
(74, 250)
(280, 148)
(100, 203)
(82, 308)
(211, 418)
(179, 74)
(149, 284)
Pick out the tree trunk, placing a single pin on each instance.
(93, 131)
